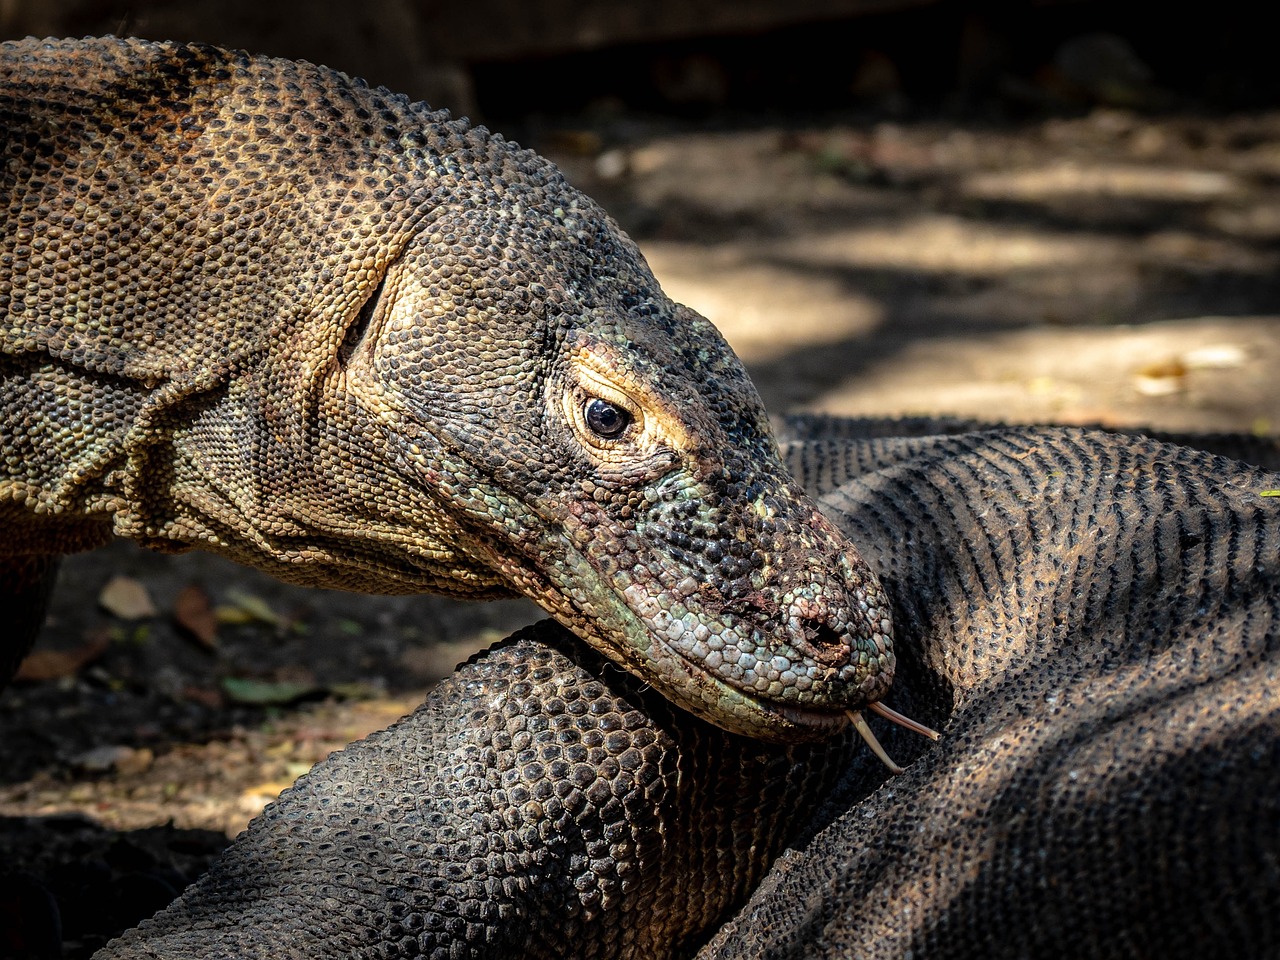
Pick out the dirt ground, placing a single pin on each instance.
(1108, 268)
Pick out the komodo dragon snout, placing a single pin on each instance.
(602, 449)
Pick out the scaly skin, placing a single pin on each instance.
(255, 307)
(539, 805)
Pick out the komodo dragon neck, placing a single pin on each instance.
(256, 307)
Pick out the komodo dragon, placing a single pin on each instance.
(1093, 619)
(1096, 618)
(256, 307)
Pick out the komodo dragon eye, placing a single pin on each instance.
(606, 420)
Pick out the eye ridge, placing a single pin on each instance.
(606, 420)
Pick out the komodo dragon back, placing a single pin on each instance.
(257, 307)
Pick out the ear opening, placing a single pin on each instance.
(359, 327)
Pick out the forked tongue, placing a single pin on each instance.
(864, 731)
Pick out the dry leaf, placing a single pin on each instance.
(253, 800)
(247, 608)
(194, 613)
(1161, 379)
(127, 599)
(1158, 386)
(1164, 369)
(42, 665)
(264, 693)
(114, 757)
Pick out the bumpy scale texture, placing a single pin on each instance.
(1096, 621)
(1092, 620)
(539, 804)
(255, 307)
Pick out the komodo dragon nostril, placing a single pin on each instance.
(823, 642)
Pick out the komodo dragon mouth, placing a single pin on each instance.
(783, 678)
(602, 450)
(827, 676)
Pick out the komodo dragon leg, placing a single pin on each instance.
(254, 306)
(1096, 620)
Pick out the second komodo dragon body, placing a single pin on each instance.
(256, 307)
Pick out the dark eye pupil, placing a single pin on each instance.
(605, 419)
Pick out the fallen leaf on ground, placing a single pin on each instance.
(254, 800)
(194, 613)
(245, 608)
(127, 599)
(266, 693)
(122, 759)
(43, 665)
(1162, 378)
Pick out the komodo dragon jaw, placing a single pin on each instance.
(776, 636)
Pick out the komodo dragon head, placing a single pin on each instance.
(602, 448)
(385, 350)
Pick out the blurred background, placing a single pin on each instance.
(1021, 211)
(1017, 210)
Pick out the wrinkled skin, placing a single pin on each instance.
(257, 308)
(541, 804)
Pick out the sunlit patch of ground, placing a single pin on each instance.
(1111, 268)
(218, 784)
(1206, 374)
